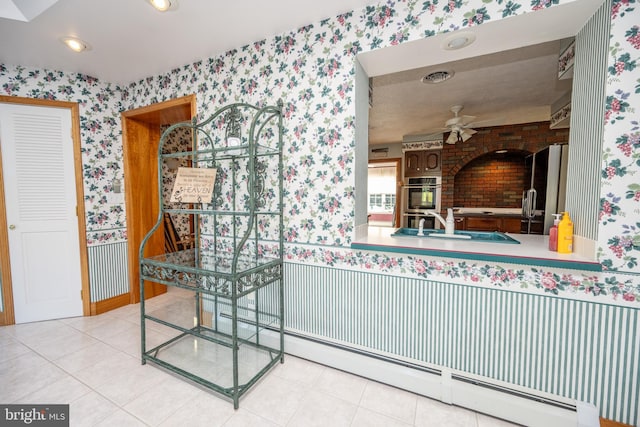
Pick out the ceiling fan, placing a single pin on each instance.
(460, 126)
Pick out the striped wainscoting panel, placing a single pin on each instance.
(261, 307)
(575, 349)
(108, 273)
(587, 129)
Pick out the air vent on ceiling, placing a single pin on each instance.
(437, 77)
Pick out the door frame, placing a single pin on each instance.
(7, 317)
(399, 184)
(140, 139)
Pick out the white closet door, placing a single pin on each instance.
(39, 181)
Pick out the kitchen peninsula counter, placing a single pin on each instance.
(532, 249)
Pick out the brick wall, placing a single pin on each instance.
(523, 138)
(491, 180)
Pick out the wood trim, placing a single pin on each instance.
(609, 423)
(37, 102)
(167, 112)
(399, 184)
(80, 209)
(140, 138)
(109, 304)
(8, 317)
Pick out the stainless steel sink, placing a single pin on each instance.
(476, 236)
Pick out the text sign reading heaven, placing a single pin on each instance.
(193, 185)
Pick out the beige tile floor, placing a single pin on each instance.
(93, 364)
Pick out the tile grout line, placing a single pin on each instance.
(72, 375)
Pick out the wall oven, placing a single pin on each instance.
(419, 195)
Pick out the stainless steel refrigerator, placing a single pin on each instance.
(546, 194)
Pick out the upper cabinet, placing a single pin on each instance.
(422, 162)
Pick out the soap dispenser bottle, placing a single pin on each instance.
(450, 225)
(565, 234)
(553, 233)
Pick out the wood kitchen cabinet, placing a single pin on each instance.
(423, 162)
(482, 223)
(511, 225)
(489, 223)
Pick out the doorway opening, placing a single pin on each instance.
(141, 131)
(383, 183)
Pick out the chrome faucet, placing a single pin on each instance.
(421, 227)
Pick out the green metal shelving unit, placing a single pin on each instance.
(233, 333)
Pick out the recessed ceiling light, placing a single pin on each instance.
(164, 5)
(75, 44)
(459, 40)
(438, 76)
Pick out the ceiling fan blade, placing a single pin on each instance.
(466, 134)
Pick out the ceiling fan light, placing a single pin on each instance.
(464, 135)
(453, 138)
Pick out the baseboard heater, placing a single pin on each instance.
(517, 404)
(498, 399)
(516, 393)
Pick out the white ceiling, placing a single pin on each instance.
(130, 40)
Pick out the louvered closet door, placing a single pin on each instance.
(39, 181)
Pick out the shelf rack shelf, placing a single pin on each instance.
(232, 332)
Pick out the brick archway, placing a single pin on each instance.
(530, 137)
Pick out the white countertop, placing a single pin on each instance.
(533, 249)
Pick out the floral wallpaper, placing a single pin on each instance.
(619, 232)
(100, 129)
(312, 70)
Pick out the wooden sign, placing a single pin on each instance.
(193, 185)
